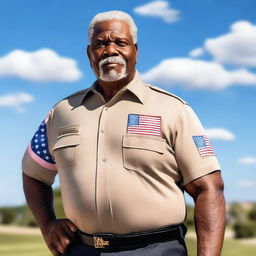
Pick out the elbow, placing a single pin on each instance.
(219, 185)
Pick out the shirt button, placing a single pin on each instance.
(101, 131)
(104, 160)
(106, 109)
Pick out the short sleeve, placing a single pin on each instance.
(37, 161)
(193, 151)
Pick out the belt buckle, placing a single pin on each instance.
(99, 242)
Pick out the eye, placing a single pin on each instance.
(121, 43)
(98, 43)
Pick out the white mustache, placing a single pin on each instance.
(113, 59)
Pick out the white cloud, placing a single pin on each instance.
(197, 74)
(219, 134)
(16, 100)
(43, 65)
(196, 52)
(158, 9)
(246, 184)
(238, 47)
(248, 160)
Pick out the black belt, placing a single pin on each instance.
(112, 242)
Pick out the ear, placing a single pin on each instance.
(89, 54)
(136, 51)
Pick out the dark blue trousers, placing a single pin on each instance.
(170, 248)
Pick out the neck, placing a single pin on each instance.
(110, 89)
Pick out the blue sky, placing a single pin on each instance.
(202, 51)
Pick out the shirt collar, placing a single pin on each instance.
(135, 86)
(85, 93)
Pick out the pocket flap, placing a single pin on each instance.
(144, 142)
(67, 141)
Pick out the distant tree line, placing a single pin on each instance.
(22, 215)
(241, 217)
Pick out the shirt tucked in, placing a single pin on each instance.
(122, 163)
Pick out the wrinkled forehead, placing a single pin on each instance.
(117, 27)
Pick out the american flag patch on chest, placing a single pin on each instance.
(203, 145)
(144, 124)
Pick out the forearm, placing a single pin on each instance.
(210, 222)
(39, 198)
(58, 234)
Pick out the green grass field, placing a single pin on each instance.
(231, 247)
(22, 245)
(33, 245)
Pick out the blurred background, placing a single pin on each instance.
(204, 51)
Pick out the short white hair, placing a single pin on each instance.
(113, 15)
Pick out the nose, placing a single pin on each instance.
(110, 50)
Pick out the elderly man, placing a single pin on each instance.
(125, 151)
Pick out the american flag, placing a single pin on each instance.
(38, 148)
(203, 145)
(144, 124)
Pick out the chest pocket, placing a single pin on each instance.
(65, 150)
(143, 153)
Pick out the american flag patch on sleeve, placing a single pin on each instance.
(203, 145)
(144, 124)
(38, 148)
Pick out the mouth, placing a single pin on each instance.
(111, 64)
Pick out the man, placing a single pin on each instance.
(124, 151)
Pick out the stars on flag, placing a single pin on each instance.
(39, 144)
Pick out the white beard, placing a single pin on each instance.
(112, 75)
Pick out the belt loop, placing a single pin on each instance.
(79, 233)
(182, 230)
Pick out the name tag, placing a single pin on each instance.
(67, 130)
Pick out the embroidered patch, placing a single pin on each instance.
(73, 129)
(203, 145)
(144, 124)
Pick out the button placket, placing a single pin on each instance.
(101, 150)
(102, 161)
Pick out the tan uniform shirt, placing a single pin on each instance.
(121, 163)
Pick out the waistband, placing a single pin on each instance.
(114, 242)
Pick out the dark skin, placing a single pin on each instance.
(207, 193)
(58, 233)
(113, 38)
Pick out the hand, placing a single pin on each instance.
(58, 235)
